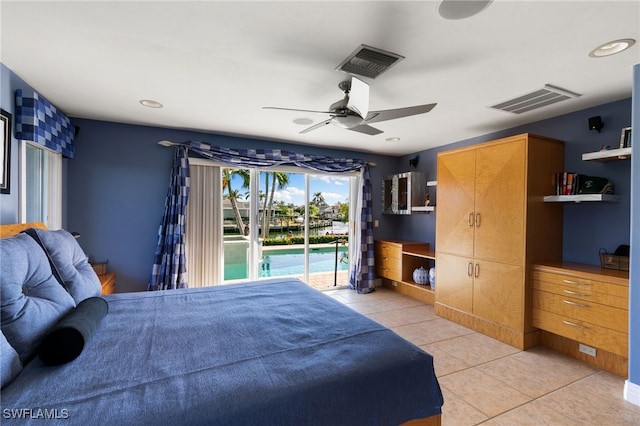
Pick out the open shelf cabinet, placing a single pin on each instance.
(395, 263)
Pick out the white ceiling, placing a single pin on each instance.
(215, 64)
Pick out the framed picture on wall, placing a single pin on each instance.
(625, 137)
(5, 151)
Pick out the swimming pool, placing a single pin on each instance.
(277, 262)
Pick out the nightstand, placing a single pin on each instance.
(108, 282)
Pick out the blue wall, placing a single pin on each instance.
(117, 185)
(587, 226)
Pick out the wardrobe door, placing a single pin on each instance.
(500, 202)
(456, 192)
(454, 286)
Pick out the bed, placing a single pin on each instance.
(268, 352)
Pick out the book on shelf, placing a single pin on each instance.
(569, 183)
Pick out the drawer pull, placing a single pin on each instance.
(573, 324)
(470, 269)
(579, 305)
(477, 270)
(470, 219)
(477, 220)
(575, 293)
(575, 282)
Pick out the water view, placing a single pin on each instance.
(284, 260)
(286, 203)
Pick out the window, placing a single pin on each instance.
(40, 185)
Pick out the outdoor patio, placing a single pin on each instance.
(325, 280)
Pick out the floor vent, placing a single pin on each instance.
(537, 99)
(369, 61)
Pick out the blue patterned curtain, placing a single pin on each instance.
(361, 277)
(274, 157)
(169, 263)
(39, 121)
(362, 274)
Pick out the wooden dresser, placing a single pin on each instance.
(578, 305)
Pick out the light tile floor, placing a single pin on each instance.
(488, 382)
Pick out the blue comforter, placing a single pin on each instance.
(270, 352)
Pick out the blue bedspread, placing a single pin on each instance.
(270, 352)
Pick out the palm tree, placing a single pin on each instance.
(318, 199)
(282, 180)
(233, 195)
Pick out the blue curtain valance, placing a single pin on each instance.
(39, 121)
(274, 157)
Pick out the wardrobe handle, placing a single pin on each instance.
(575, 282)
(575, 293)
(470, 269)
(470, 219)
(477, 270)
(477, 220)
(580, 305)
(573, 324)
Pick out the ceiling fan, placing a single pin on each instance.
(352, 111)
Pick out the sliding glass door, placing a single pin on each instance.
(270, 223)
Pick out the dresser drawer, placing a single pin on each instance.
(580, 288)
(581, 331)
(582, 310)
(388, 257)
(388, 250)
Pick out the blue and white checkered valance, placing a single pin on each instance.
(273, 157)
(37, 120)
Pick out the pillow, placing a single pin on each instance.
(11, 365)
(67, 339)
(68, 262)
(31, 299)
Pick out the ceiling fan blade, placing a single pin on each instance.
(300, 110)
(366, 129)
(316, 126)
(392, 114)
(359, 97)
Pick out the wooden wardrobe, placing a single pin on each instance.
(492, 225)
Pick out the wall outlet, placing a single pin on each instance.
(587, 350)
(393, 283)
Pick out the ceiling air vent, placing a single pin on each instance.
(369, 61)
(537, 99)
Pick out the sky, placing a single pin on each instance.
(334, 189)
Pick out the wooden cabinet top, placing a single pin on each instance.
(592, 272)
(413, 248)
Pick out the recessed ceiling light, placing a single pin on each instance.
(393, 139)
(303, 121)
(151, 104)
(612, 47)
(461, 9)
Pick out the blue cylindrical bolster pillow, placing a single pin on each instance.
(65, 341)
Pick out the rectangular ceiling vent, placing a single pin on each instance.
(534, 100)
(369, 61)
